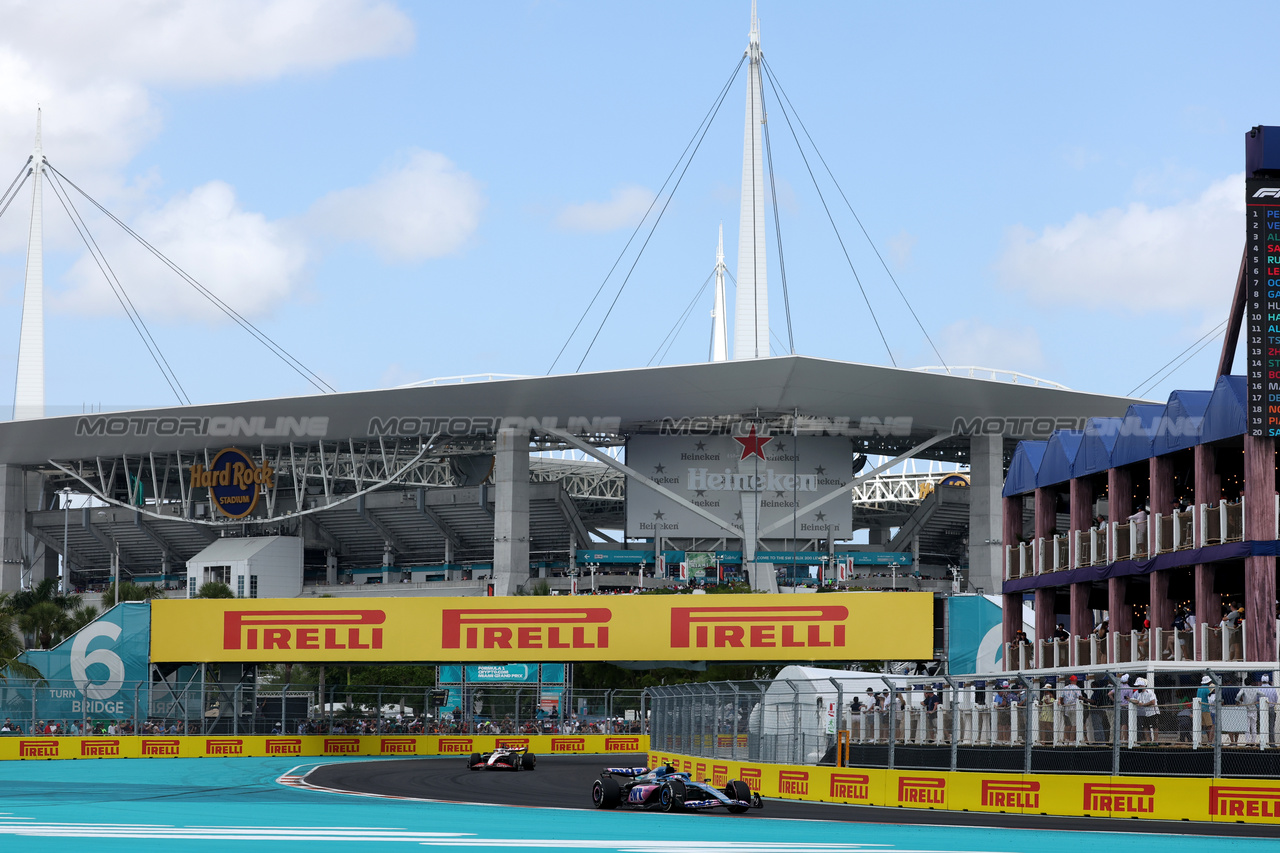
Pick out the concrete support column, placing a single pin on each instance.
(1160, 611)
(1011, 533)
(1260, 524)
(986, 481)
(1119, 507)
(1208, 490)
(1046, 618)
(1081, 615)
(511, 511)
(1012, 621)
(1119, 613)
(1081, 501)
(11, 527)
(1208, 603)
(330, 568)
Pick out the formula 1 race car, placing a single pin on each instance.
(503, 758)
(663, 788)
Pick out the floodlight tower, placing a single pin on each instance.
(28, 395)
(751, 304)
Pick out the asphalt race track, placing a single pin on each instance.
(565, 782)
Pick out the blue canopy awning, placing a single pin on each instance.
(1136, 434)
(1094, 456)
(1227, 414)
(1023, 467)
(1059, 457)
(1179, 429)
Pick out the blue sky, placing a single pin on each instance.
(396, 192)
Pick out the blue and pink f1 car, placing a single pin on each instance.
(665, 789)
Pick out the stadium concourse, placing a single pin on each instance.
(473, 488)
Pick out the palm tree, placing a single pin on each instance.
(130, 591)
(82, 616)
(11, 649)
(47, 590)
(46, 623)
(214, 589)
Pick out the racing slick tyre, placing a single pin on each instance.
(738, 790)
(671, 796)
(530, 762)
(605, 793)
(473, 761)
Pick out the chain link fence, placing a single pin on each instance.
(1197, 722)
(193, 707)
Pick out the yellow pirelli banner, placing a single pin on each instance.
(308, 746)
(1159, 798)
(834, 626)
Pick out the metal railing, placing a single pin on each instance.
(196, 708)
(1195, 722)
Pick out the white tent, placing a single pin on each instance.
(800, 702)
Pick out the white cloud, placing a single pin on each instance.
(972, 342)
(426, 208)
(94, 66)
(1140, 258)
(248, 262)
(184, 42)
(901, 246)
(623, 210)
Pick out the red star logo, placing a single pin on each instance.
(753, 446)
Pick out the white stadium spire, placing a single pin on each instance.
(751, 304)
(28, 397)
(719, 331)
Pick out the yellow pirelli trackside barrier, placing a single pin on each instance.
(838, 626)
(1159, 798)
(308, 746)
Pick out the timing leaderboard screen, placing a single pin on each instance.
(1262, 206)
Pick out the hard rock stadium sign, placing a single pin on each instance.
(836, 626)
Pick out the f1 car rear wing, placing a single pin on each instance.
(626, 771)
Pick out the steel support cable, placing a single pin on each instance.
(678, 326)
(293, 363)
(667, 351)
(831, 219)
(680, 320)
(778, 89)
(1208, 337)
(130, 310)
(710, 114)
(688, 162)
(17, 190)
(777, 223)
(14, 186)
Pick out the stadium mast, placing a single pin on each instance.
(28, 395)
(751, 304)
(719, 331)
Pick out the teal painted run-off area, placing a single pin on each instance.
(214, 805)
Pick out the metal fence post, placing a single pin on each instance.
(1115, 723)
(1217, 725)
(839, 705)
(955, 719)
(1031, 695)
(795, 717)
(893, 719)
(733, 738)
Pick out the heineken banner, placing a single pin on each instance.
(718, 473)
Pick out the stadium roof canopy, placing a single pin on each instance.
(617, 402)
(404, 468)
